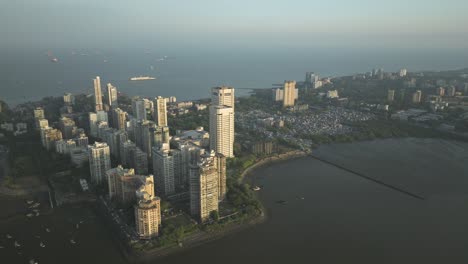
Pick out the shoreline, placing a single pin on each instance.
(203, 237)
(293, 154)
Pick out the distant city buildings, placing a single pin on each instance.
(49, 136)
(332, 94)
(403, 72)
(279, 94)
(99, 161)
(112, 96)
(68, 99)
(417, 96)
(139, 109)
(39, 113)
(119, 119)
(289, 93)
(160, 111)
(440, 91)
(98, 94)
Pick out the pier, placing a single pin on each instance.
(392, 187)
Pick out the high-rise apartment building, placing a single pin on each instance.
(112, 96)
(164, 165)
(119, 119)
(160, 111)
(223, 95)
(147, 215)
(289, 93)
(124, 183)
(68, 127)
(403, 72)
(98, 94)
(49, 136)
(222, 130)
(99, 161)
(39, 113)
(204, 189)
(68, 99)
(417, 96)
(440, 91)
(139, 108)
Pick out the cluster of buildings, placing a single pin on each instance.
(153, 164)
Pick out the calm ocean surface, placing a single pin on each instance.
(188, 74)
(331, 215)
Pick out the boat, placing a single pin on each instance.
(37, 213)
(72, 241)
(47, 230)
(9, 236)
(256, 188)
(142, 78)
(32, 261)
(42, 245)
(77, 226)
(281, 202)
(30, 215)
(54, 59)
(17, 244)
(29, 201)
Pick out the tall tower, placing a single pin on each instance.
(222, 130)
(289, 93)
(223, 95)
(98, 94)
(160, 111)
(99, 161)
(417, 97)
(139, 109)
(112, 95)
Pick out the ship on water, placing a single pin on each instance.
(142, 78)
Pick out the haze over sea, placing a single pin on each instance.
(188, 73)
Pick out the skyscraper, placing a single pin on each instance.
(98, 94)
(417, 97)
(69, 99)
(222, 130)
(160, 111)
(289, 93)
(160, 135)
(139, 109)
(99, 161)
(204, 189)
(163, 170)
(403, 72)
(119, 119)
(112, 96)
(223, 95)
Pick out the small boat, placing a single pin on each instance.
(47, 230)
(30, 215)
(256, 188)
(32, 261)
(29, 201)
(42, 245)
(17, 244)
(281, 202)
(9, 236)
(37, 213)
(1, 247)
(77, 226)
(72, 241)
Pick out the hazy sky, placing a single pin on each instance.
(291, 23)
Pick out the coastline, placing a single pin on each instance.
(293, 154)
(202, 237)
